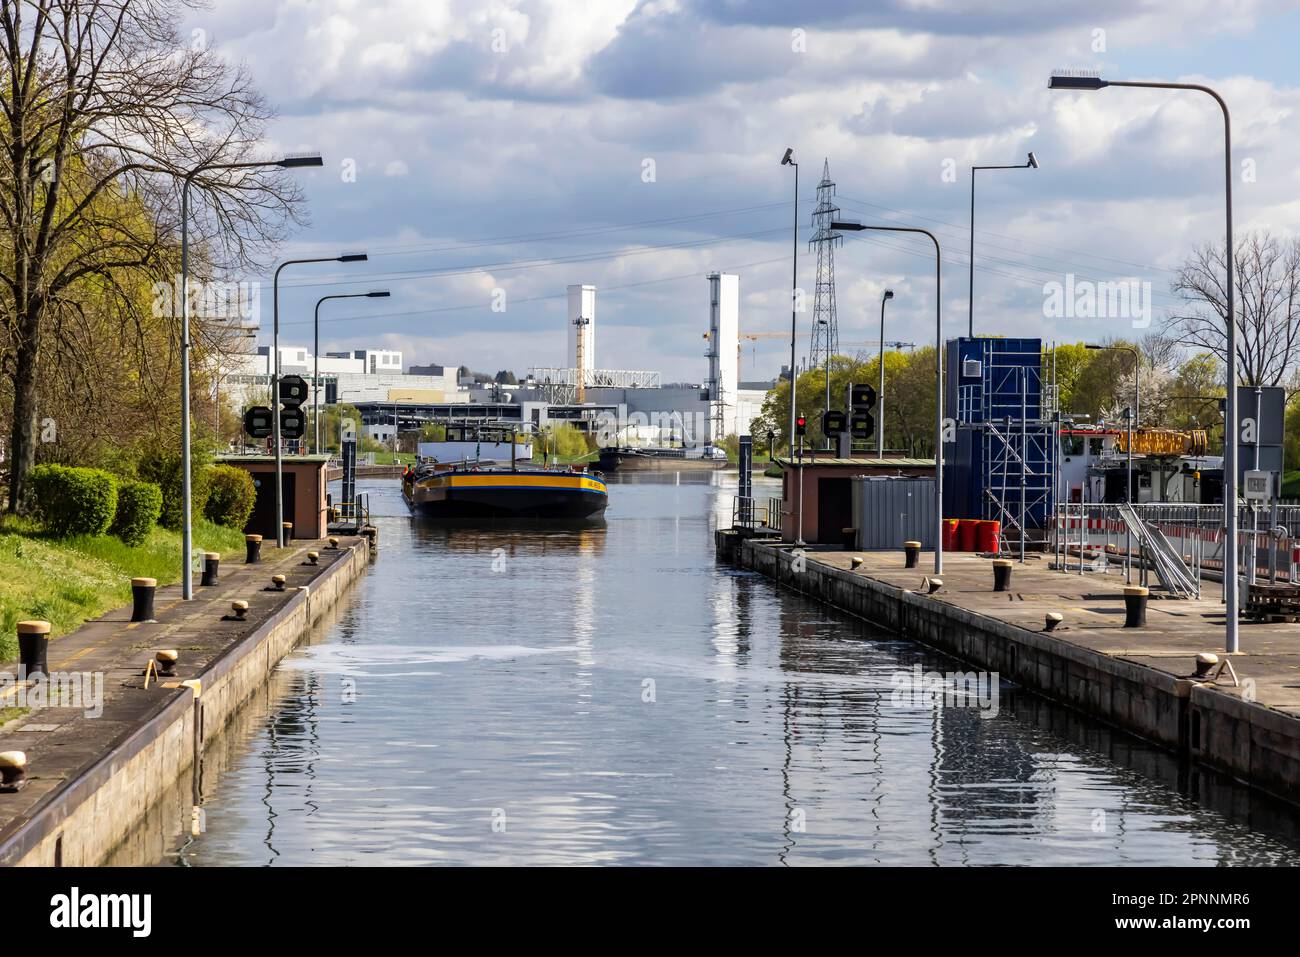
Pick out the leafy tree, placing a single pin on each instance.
(100, 101)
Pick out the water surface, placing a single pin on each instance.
(612, 695)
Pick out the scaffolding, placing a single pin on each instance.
(1008, 456)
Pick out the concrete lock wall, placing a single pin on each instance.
(1247, 740)
(92, 814)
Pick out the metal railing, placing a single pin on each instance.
(751, 512)
(1182, 543)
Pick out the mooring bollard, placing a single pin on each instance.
(932, 585)
(288, 531)
(1205, 663)
(13, 771)
(211, 568)
(142, 592)
(167, 662)
(254, 545)
(855, 561)
(1053, 619)
(334, 542)
(33, 648)
(1135, 606)
(1001, 574)
(911, 552)
(278, 582)
(240, 608)
(313, 558)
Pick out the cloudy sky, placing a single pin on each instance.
(522, 145)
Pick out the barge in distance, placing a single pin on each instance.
(452, 481)
(657, 459)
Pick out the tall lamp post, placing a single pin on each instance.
(187, 522)
(938, 374)
(970, 305)
(315, 376)
(880, 394)
(1230, 421)
(275, 379)
(788, 160)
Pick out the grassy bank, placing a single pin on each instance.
(68, 581)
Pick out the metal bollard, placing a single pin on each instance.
(33, 648)
(142, 592)
(313, 558)
(240, 608)
(288, 531)
(211, 568)
(13, 771)
(334, 542)
(167, 662)
(1135, 606)
(278, 582)
(254, 545)
(1053, 619)
(912, 552)
(855, 562)
(932, 585)
(1205, 663)
(1001, 574)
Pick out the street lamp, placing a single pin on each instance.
(315, 376)
(275, 379)
(938, 375)
(788, 160)
(880, 394)
(1230, 421)
(970, 305)
(187, 524)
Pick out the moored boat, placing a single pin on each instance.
(467, 490)
(706, 458)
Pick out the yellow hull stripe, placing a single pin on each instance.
(512, 481)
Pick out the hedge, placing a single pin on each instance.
(162, 467)
(73, 501)
(231, 497)
(138, 507)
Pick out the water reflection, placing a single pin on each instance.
(612, 695)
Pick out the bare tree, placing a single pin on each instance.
(104, 108)
(1267, 306)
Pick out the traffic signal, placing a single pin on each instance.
(801, 426)
(293, 391)
(293, 423)
(258, 422)
(862, 399)
(833, 422)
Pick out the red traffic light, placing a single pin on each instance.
(801, 425)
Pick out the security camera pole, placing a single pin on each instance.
(970, 305)
(788, 160)
(880, 393)
(275, 380)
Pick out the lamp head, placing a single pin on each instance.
(889, 294)
(301, 159)
(1075, 80)
(378, 294)
(1033, 160)
(788, 158)
(353, 258)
